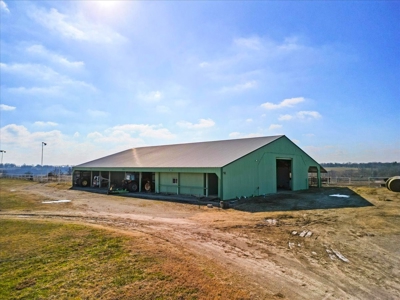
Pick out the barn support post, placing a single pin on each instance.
(319, 176)
(109, 179)
(157, 183)
(206, 192)
(178, 184)
(220, 184)
(140, 182)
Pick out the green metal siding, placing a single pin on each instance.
(191, 184)
(255, 173)
(166, 183)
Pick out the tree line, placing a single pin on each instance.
(370, 169)
(35, 169)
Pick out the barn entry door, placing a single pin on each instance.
(284, 174)
(212, 184)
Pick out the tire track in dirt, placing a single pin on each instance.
(260, 255)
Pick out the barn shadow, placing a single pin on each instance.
(312, 199)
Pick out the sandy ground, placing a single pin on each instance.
(292, 245)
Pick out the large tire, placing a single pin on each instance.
(133, 187)
(85, 182)
(147, 187)
(393, 184)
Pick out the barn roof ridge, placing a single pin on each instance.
(210, 142)
(207, 154)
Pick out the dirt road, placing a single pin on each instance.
(297, 245)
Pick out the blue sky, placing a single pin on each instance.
(91, 78)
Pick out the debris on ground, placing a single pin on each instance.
(340, 256)
(334, 253)
(271, 222)
(339, 196)
(331, 255)
(56, 201)
(303, 233)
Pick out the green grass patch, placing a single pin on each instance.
(14, 195)
(43, 259)
(51, 259)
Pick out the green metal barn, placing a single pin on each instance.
(222, 169)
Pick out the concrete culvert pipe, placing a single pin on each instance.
(393, 184)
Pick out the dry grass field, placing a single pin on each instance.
(297, 245)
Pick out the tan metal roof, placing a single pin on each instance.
(192, 155)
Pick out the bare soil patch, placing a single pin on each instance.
(344, 248)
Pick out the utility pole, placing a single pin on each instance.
(2, 167)
(2, 152)
(43, 144)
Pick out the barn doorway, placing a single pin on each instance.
(284, 174)
(212, 184)
(312, 176)
(148, 182)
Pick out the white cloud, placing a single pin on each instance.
(238, 135)
(77, 134)
(285, 117)
(182, 103)
(274, 126)
(97, 113)
(7, 107)
(41, 123)
(121, 139)
(301, 115)
(308, 115)
(204, 64)
(18, 135)
(75, 27)
(154, 96)
(42, 51)
(25, 146)
(45, 75)
(257, 57)
(239, 87)
(3, 7)
(249, 120)
(290, 44)
(30, 70)
(52, 90)
(95, 136)
(254, 43)
(143, 130)
(163, 109)
(285, 103)
(203, 123)
(235, 134)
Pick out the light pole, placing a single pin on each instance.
(2, 152)
(43, 144)
(2, 167)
